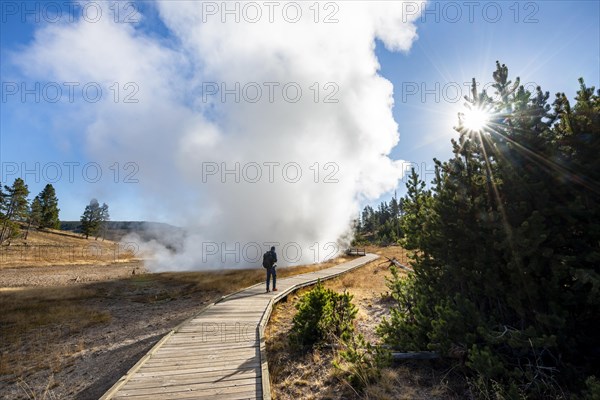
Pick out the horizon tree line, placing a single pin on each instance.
(381, 225)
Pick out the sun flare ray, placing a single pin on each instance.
(476, 119)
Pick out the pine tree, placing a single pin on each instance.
(35, 214)
(575, 243)
(3, 203)
(89, 219)
(104, 217)
(507, 247)
(15, 209)
(414, 208)
(50, 210)
(369, 220)
(94, 218)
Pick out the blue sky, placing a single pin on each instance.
(546, 43)
(551, 45)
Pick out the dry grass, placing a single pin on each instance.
(414, 381)
(33, 320)
(310, 375)
(48, 330)
(52, 247)
(49, 334)
(225, 281)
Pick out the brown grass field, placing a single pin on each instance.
(55, 247)
(73, 338)
(74, 321)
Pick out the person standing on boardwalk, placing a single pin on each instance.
(269, 260)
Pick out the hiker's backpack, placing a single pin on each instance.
(267, 260)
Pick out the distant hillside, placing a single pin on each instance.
(116, 230)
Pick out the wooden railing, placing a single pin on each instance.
(354, 251)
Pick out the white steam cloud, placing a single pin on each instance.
(273, 164)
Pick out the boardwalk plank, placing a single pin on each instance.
(191, 346)
(226, 369)
(190, 351)
(160, 362)
(188, 387)
(219, 354)
(197, 363)
(174, 385)
(212, 376)
(241, 392)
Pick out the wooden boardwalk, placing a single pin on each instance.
(220, 353)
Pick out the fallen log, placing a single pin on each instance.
(397, 264)
(416, 355)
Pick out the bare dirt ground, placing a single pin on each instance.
(297, 374)
(76, 341)
(65, 275)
